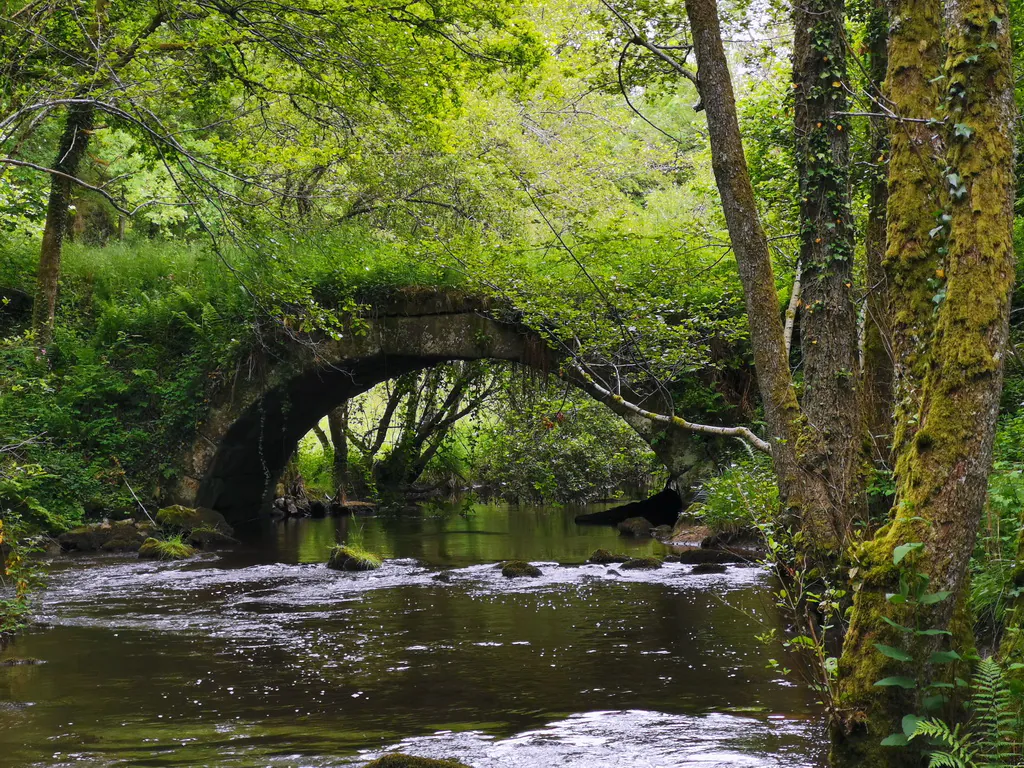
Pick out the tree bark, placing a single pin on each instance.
(797, 453)
(337, 423)
(74, 141)
(877, 369)
(942, 471)
(831, 402)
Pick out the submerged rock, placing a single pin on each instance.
(185, 519)
(697, 555)
(346, 558)
(708, 568)
(641, 564)
(663, 508)
(515, 569)
(399, 760)
(210, 538)
(604, 557)
(635, 526)
(155, 549)
(122, 536)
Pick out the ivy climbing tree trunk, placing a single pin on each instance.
(942, 470)
(74, 141)
(828, 331)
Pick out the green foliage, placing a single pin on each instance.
(171, 548)
(742, 498)
(994, 737)
(20, 574)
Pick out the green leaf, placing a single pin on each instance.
(893, 653)
(934, 597)
(944, 657)
(899, 681)
(894, 625)
(895, 740)
(909, 724)
(905, 549)
(932, 632)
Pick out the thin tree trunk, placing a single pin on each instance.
(942, 471)
(796, 453)
(74, 140)
(878, 361)
(793, 308)
(337, 422)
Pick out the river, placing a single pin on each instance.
(261, 656)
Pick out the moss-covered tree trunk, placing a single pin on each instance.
(943, 468)
(828, 332)
(73, 143)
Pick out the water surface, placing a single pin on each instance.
(263, 657)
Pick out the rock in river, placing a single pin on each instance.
(514, 569)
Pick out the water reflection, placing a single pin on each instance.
(264, 657)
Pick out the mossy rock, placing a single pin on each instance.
(155, 549)
(635, 526)
(345, 558)
(398, 760)
(210, 538)
(185, 519)
(604, 557)
(121, 536)
(641, 564)
(515, 569)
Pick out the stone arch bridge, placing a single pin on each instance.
(255, 422)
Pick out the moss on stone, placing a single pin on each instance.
(604, 557)
(347, 557)
(635, 526)
(514, 569)
(399, 760)
(641, 564)
(185, 519)
(172, 549)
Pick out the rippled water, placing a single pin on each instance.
(264, 657)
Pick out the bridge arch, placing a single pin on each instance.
(251, 430)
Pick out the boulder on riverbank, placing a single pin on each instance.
(399, 760)
(185, 519)
(122, 536)
(348, 558)
(698, 555)
(173, 549)
(641, 564)
(515, 569)
(635, 526)
(604, 557)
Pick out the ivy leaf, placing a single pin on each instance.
(898, 681)
(893, 653)
(963, 131)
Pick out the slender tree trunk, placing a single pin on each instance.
(878, 361)
(73, 142)
(797, 452)
(337, 422)
(942, 471)
(828, 329)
